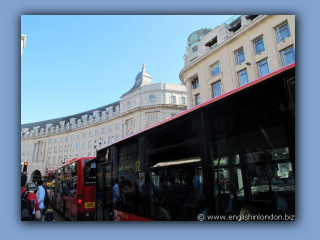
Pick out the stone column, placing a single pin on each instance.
(189, 94)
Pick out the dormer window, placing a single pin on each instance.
(234, 23)
(251, 17)
(213, 43)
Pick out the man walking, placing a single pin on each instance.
(40, 195)
(32, 200)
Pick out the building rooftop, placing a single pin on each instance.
(56, 121)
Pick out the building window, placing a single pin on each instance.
(173, 99)
(72, 137)
(117, 137)
(183, 100)
(61, 139)
(71, 147)
(263, 68)
(152, 118)
(258, 45)
(67, 139)
(56, 140)
(97, 132)
(287, 56)
(89, 144)
(243, 77)
(283, 32)
(197, 99)
(83, 145)
(216, 89)
(54, 160)
(50, 141)
(83, 135)
(110, 128)
(195, 83)
(215, 69)
(55, 149)
(131, 123)
(78, 136)
(49, 160)
(117, 126)
(195, 48)
(90, 134)
(103, 130)
(152, 98)
(239, 56)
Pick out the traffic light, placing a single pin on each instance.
(25, 166)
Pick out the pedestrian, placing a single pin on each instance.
(33, 209)
(41, 195)
(116, 194)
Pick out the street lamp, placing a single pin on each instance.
(64, 160)
(97, 145)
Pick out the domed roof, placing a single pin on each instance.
(143, 73)
(143, 78)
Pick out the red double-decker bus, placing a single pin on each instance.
(74, 194)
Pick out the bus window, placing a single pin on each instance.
(90, 174)
(179, 185)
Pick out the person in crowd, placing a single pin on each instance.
(122, 182)
(116, 195)
(40, 195)
(174, 200)
(146, 195)
(196, 184)
(32, 198)
(136, 198)
(164, 190)
(247, 213)
(127, 196)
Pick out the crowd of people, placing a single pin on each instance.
(166, 198)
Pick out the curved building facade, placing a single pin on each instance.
(242, 49)
(48, 144)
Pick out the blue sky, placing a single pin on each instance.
(77, 63)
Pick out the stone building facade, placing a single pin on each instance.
(47, 144)
(239, 51)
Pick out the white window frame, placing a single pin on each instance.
(255, 44)
(173, 99)
(183, 100)
(236, 53)
(282, 55)
(212, 88)
(277, 30)
(239, 75)
(258, 63)
(215, 66)
(195, 99)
